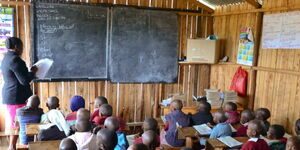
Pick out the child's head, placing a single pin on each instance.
(262, 114)
(106, 139)
(138, 146)
(275, 132)
(255, 127)
(83, 114)
(83, 126)
(246, 116)
(204, 107)
(150, 124)
(202, 99)
(67, 144)
(52, 102)
(230, 106)
(293, 143)
(105, 110)
(33, 102)
(111, 123)
(220, 117)
(150, 139)
(297, 127)
(100, 100)
(76, 103)
(176, 105)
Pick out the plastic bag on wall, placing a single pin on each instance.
(239, 82)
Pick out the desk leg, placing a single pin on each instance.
(35, 138)
(189, 142)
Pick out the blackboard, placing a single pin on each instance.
(144, 46)
(74, 36)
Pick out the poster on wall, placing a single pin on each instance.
(6, 26)
(246, 47)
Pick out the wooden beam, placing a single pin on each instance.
(14, 3)
(203, 6)
(254, 3)
(258, 10)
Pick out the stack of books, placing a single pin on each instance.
(230, 96)
(213, 97)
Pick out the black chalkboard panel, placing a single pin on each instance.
(144, 46)
(74, 36)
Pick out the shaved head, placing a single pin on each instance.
(106, 139)
(111, 123)
(176, 104)
(67, 144)
(52, 102)
(33, 102)
(83, 114)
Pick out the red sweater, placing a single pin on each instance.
(95, 114)
(242, 131)
(259, 145)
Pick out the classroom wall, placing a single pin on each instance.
(276, 76)
(227, 28)
(133, 102)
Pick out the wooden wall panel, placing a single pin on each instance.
(133, 102)
(277, 77)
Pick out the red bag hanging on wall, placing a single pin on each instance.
(239, 82)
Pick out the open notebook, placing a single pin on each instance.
(229, 141)
(203, 129)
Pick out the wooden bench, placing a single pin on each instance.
(45, 145)
(215, 144)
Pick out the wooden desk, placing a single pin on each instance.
(32, 129)
(45, 145)
(193, 109)
(187, 134)
(215, 144)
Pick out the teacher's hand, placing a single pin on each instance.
(34, 69)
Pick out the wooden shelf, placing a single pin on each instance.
(192, 63)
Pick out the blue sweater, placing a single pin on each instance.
(221, 130)
(122, 141)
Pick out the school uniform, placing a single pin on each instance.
(255, 144)
(221, 130)
(27, 115)
(201, 118)
(95, 114)
(84, 140)
(242, 130)
(122, 141)
(278, 144)
(56, 117)
(233, 117)
(71, 118)
(99, 120)
(140, 140)
(174, 117)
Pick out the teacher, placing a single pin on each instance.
(17, 78)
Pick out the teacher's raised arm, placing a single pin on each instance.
(17, 78)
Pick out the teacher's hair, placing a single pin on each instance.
(12, 42)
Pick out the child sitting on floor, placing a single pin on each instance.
(222, 128)
(293, 143)
(254, 130)
(113, 124)
(60, 129)
(31, 113)
(100, 100)
(263, 114)
(246, 117)
(173, 120)
(106, 139)
(203, 116)
(275, 134)
(105, 112)
(150, 140)
(83, 137)
(297, 127)
(76, 103)
(231, 112)
(67, 144)
(149, 124)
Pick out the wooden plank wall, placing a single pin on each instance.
(277, 78)
(132, 101)
(227, 28)
(279, 91)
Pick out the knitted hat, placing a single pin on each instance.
(77, 102)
